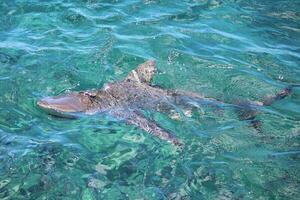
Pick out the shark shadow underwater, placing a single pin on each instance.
(127, 99)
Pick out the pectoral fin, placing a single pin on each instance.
(137, 119)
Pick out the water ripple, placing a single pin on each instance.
(228, 50)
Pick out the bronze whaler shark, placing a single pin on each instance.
(125, 100)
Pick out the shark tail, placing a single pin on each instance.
(248, 110)
(280, 95)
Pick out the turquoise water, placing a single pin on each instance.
(230, 50)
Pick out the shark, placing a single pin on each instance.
(128, 98)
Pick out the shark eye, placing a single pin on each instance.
(91, 95)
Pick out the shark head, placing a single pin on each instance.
(82, 102)
(67, 105)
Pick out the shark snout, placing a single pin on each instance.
(70, 103)
(42, 103)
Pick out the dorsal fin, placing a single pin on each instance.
(143, 73)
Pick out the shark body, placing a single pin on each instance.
(127, 98)
(123, 99)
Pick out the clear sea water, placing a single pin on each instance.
(230, 50)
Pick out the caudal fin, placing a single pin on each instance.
(280, 95)
(248, 111)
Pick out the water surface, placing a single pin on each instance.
(230, 50)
